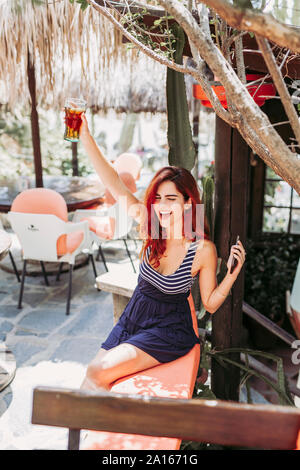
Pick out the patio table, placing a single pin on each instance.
(7, 359)
(78, 192)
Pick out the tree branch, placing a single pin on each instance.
(240, 64)
(260, 23)
(280, 85)
(196, 73)
(245, 115)
(284, 162)
(149, 52)
(135, 7)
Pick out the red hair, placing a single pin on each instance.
(187, 186)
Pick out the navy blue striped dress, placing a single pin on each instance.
(157, 319)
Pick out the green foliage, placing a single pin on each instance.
(17, 152)
(279, 387)
(182, 151)
(243, 3)
(204, 392)
(83, 3)
(270, 268)
(158, 36)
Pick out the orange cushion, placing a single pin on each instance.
(129, 162)
(128, 180)
(298, 441)
(174, 379)
(103, 226)
(41, 201)
(68, 243)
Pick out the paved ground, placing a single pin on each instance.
(50, 348)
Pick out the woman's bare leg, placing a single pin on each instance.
(108, 366)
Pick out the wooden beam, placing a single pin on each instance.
(268, 324)
(35, 130)
(256, 197)
(258, 426)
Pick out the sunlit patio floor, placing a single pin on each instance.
(50, 348)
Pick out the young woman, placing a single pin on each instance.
(156, 325)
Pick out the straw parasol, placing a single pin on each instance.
(52, 50)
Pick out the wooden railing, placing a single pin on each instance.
(213, 421)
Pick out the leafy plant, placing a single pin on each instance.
(83, 3)
(203, 391)
(279, 387)
(16, 146)
(270, 268)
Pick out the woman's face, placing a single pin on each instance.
(169, 205)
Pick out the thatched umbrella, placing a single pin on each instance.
(49, 51)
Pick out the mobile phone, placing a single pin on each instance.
(234, 261)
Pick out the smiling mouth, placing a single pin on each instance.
(165, 213)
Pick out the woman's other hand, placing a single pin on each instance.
(237, 252)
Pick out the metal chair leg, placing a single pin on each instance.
(69, 289)
(100, 252)
(44, 273)
(91, 257)
(128, 252)
(14, 266)
(22, 284)
(59, 271)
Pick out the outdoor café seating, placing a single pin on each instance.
(39, 217)
(107, 224)
(129, 162)
(129, 181)
(11, 258)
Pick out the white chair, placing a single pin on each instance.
(45, 236)
(108, 224)
(11, 257)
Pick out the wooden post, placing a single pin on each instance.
(257, 186)
(231, 194)
(74, 159)
(35, 130)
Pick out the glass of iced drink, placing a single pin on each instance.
(74, 107)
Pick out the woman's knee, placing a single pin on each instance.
(96, 374)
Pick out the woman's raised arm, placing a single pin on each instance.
(107, 173)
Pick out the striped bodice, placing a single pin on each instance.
(180, 281)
